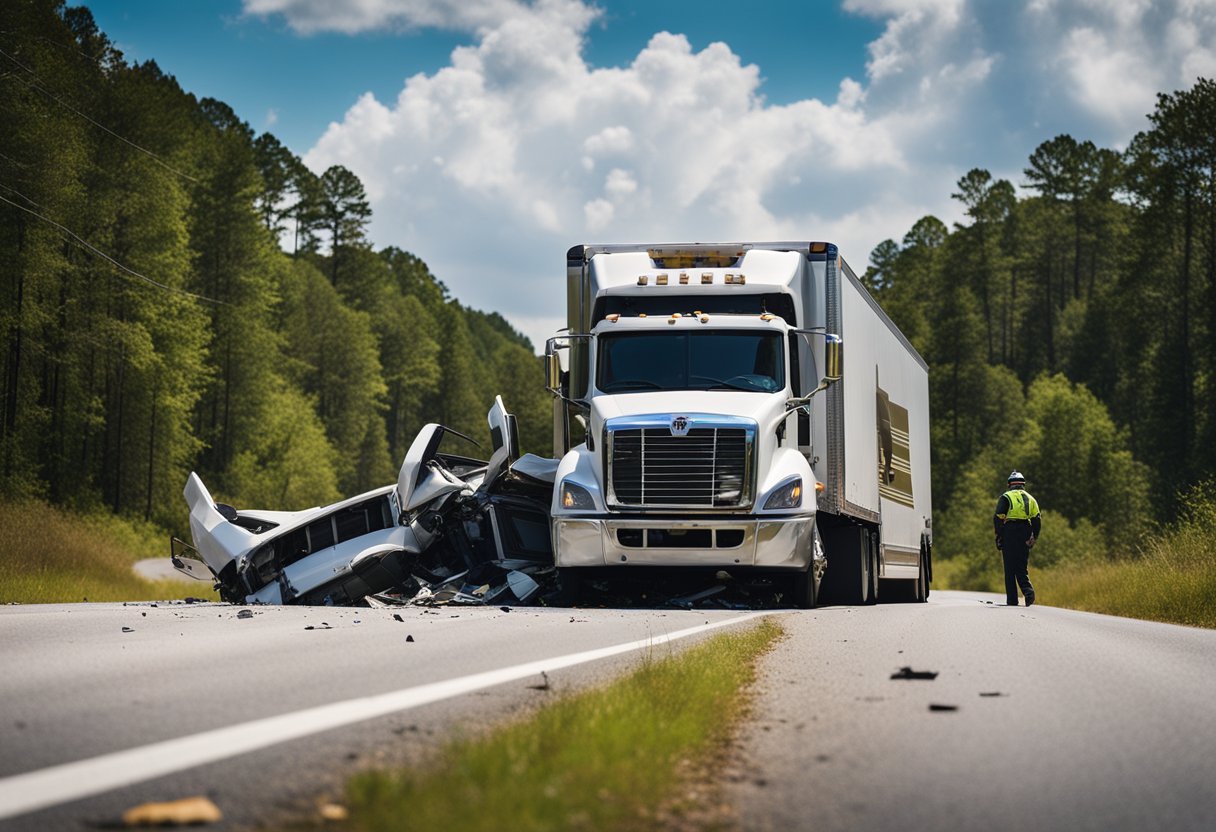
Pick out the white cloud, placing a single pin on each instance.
(531, 149)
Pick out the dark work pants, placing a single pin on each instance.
(1016, 554)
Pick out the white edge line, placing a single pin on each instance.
(31, 791)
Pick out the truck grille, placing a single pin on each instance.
(708, 468)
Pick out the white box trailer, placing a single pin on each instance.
(724, 343)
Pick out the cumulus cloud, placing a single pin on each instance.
(492, 166)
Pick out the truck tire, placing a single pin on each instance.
(806, 593)
(847, 580)
(570, 586)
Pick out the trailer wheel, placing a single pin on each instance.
(872, 568)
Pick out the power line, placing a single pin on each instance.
(38, 87)
(80, 241)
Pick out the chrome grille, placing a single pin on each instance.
(708, 468)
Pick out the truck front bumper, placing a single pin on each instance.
(768, 542)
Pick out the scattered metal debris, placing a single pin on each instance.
(907, 672)
(993, 693)
(190, 811)
(127, 630)
(245, 614)
(453, 531)
(937, 707)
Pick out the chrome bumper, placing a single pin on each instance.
(776, 543)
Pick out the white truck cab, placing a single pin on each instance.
(687, 428)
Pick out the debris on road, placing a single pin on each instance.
(333, 812)
(936, 707)
(245, 614)
(190, 811)
(453, 531)
(993, 693)
(127, 630)
(907, 672)
(544, 683)
(409, 638)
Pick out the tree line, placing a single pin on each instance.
(180, 293)
(1071, 332)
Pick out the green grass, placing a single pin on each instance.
(1171, 577)
(48, 555)
(605, 759)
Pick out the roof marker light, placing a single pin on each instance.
(614, 317)
(767, 316)
(704, 318)
(683, 279)
(641, 314)
(818, 248)
(643, 280)
(707, 277)
(660, 280)
(675, 316)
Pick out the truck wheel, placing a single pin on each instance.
(806, 594)
(570, 585)
(848, 576)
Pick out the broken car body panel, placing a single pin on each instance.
(446, 514)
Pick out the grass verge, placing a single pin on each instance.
(1170, 579)
(603, 759)
(48, 555)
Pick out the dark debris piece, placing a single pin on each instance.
(992, 693)
(397, 617)
(245, 614)
(409, 638)
(936, 707)
(544, 683)
(127, 630)
(908, 673)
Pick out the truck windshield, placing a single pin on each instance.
(636, 362)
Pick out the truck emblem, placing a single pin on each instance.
(679, 426)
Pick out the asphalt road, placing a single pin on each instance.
(1100, 723)
(1065, 721)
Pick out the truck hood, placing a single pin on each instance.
(763, 407)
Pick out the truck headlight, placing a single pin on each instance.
(575, 496)
(787, 496)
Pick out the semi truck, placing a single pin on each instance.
(705, 418)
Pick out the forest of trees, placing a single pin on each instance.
(153, 323)
(1071, 333)
(179, 293)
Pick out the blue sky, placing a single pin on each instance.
(493, 134)
(259, 66)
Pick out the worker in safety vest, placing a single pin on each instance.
(1017, 524)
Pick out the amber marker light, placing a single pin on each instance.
(643, 280)
(660, 280)
(683, 280)
(818, 488)
(613, 318)
(707, 277)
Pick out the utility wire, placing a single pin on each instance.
(37, 86)
(80, 241)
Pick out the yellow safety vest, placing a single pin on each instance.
(1021, 505)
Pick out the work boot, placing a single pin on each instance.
(1030, 598)
(1012, 603)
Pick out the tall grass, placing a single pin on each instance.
(603, 760)
(1170, 577)
(49, 555)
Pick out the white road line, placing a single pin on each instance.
(52, 786)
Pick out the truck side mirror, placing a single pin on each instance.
(833, 358)
(553, 374)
